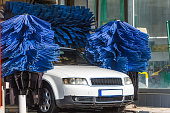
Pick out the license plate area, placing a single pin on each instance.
(110, 92)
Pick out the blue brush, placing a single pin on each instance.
(72, 23)
(27, 44)
(119, 46)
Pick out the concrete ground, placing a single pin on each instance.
(147, 109)
(129, 109)
(133, 109)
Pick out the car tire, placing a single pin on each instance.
(49, 104)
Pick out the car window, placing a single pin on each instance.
(71, 57)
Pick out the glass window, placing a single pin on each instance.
(80, 3)
(91, 4)
(71, 57)
(110, 11)
(130, 12)
(113, 9)
(152, 15)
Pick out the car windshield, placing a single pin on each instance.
(71, 57)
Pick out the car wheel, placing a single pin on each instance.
(48, 104)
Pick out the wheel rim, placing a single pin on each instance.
(47, 101)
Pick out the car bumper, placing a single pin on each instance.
(85, 90)
(93, 102)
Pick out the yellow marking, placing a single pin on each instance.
(146, 74)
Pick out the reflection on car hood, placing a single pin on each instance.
(83, 71)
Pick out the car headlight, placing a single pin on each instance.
(127, 81)
(75, 81)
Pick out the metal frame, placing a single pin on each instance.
(153, 97)
(123, 11)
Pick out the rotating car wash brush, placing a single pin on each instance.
(119, 46)
(28, 50)
(71, 24)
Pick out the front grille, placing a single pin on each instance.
(96, 99)
(106, 81)
(106, 99)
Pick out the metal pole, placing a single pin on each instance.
(87, 3)
(122, 10)
(126, 10)
(56, 2)
(3, 99)
(133, 12)
(4, 87)
(2, 108)
(147, 80)
(168, 32)
(22, 103)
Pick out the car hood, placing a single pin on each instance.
(65, 71)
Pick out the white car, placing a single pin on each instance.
(73, 83)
